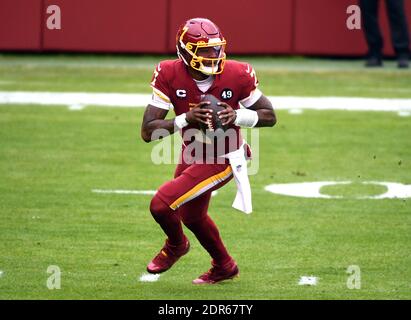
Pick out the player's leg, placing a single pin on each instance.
(176, 244)
(195, 217)
(168, 219)
(224, 266)
(171, 196)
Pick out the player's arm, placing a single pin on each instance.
(157, 110)
(259, 114)
(265, 112)
(154, 119)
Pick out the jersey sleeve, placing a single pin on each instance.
(250, 92)
(159, 84)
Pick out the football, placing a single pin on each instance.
(214, 125)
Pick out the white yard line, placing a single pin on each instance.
(395, 190)
(77, 100)
(341, 103)
(146, 192)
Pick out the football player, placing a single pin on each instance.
(201, 68)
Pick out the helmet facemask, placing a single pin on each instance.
(197, 54)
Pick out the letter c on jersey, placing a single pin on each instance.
(181, 93)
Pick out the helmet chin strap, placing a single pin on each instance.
(181, 56)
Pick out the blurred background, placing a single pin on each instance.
(286, 27)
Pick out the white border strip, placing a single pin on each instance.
(141, 100)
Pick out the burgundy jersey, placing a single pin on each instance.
(174, 86)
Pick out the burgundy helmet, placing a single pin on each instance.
(201, 46)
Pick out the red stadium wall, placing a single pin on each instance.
(320, 31)
(109, 26)
(20, 24)
(258, 26)
(316, 27)
(320, 28)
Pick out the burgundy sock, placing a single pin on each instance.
(169, 221)
(207, 233)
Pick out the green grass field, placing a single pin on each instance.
(51, 158)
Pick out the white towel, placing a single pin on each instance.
(238, 164)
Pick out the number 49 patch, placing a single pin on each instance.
(226, 94)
